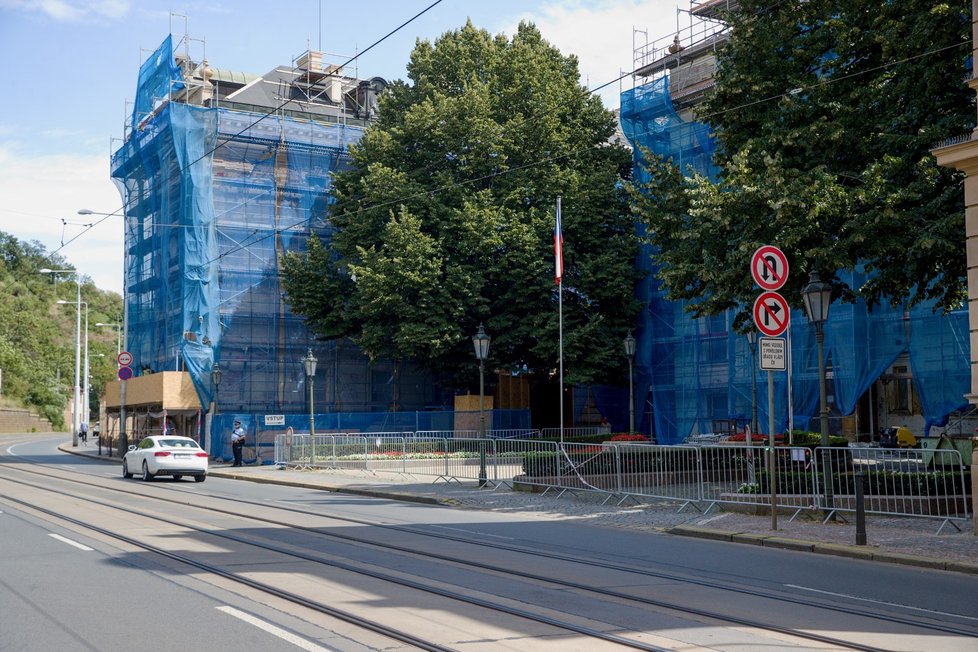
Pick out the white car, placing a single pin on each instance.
(166, 455)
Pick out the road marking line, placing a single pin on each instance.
(273, 630)
(80, 546)
(883, 602)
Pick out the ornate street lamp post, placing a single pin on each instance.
(309, 362)
(630, 354)
(216, 374)
(481, 343)
(818, 299)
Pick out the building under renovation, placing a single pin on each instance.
(221, 173)
(886, 366)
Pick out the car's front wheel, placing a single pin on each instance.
(147, 476)
(126, 473)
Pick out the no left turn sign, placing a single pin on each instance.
(769, 267)
(771, 314)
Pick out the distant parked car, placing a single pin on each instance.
(166, 455)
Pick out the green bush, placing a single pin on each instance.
(814, 439)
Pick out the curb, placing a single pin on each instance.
(836, 549)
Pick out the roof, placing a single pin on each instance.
(232, 76)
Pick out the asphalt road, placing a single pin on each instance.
(57, 595)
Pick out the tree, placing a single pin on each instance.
(37, 337)
(825, 113)
(446, 219)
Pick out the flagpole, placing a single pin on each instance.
(559, 248)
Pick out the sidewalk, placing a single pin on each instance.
(900, 540)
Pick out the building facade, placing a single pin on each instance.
(221, 174)
(887, 366)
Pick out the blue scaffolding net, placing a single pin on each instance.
(215, 194)
(700, 373)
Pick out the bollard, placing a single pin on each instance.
(860, 510)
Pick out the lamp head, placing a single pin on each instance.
(309, 362)
(481, 343)
(818, 298)
(630, 345)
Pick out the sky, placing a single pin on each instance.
(70, 70)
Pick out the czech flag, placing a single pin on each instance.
(558, 248)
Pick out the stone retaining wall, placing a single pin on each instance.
(16, 420)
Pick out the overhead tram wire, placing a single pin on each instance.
(290, 100)
(551, 159)
(270, 113)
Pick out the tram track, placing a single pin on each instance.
(563, 584)
(305, 601)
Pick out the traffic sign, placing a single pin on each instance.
(125, 358)
(769, 267)
(771, 314)
(773, 352)
(125, 373)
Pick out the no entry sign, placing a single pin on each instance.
(769, 267)
(771, 314)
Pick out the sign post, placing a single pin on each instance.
(769, 269)
(125, 373)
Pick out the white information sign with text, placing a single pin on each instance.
(774, 354)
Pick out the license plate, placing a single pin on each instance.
(181, 456)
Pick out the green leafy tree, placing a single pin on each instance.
(825, 113)
(37, 336)
(446, 220)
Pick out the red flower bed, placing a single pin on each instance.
(755, 438)
(629, 437)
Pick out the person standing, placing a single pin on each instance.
(237, 442)
(83, 432)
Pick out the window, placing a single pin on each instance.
(902, 390)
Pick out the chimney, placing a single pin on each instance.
(311, 60)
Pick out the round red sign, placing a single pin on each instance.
(769, 267)
(771, 314)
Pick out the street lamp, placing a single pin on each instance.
(752, 343)
(86, 398)
(818, 299)
(123, 331)
(630, 354)
(118, 329)
(309, 362)
(76, 403)
(216, 379)
(481, 343)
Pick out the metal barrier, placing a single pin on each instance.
(740, 475)
(664, 472)
(589, 467)
(513, 433)
(579, 431)
(447, 434)
(899, 482)
(532, 462)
